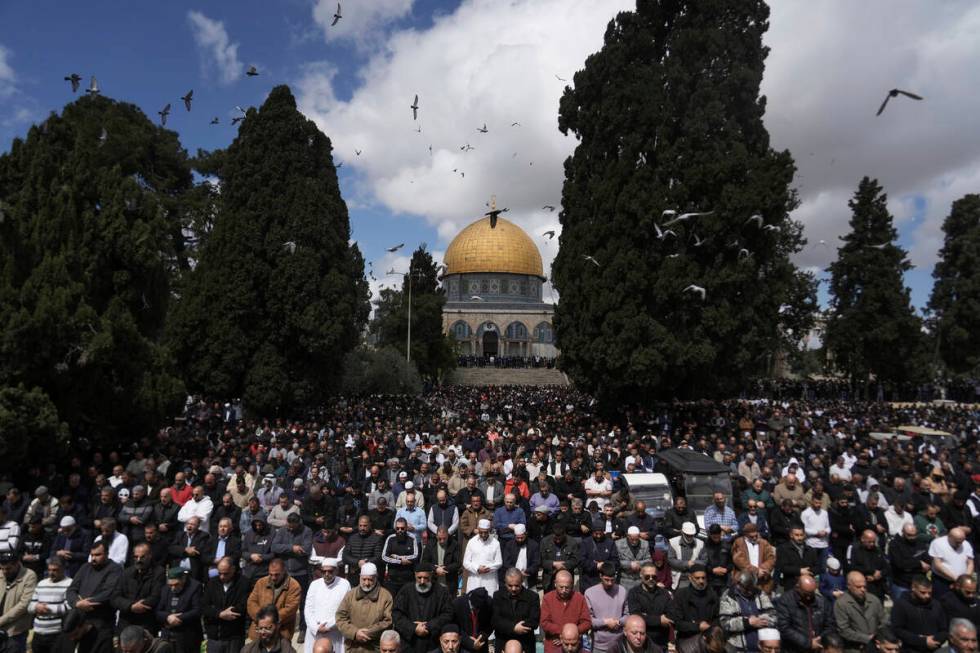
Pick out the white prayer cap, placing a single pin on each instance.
(519, 529)
(369, 569)
(67, 521)
(689, 528)
(634, 530)
(330, 562)
(483, 523)
(409, 485)
(768, 635)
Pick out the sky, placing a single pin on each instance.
(500, 62)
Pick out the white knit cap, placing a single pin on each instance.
(768, 635)
(331, 562)
(483, 523)
(633, 530)
(519, 529)
(369, 569)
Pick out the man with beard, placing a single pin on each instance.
(868, 559)
(224, 606)
(327, 542)
(16, 591)
(179, 612)
(804, 616)
(694, 608)
(420, 611)
(753, 553)
(400, 553)
(226, 509)
(134, 639)
(842, 520)
(47, 606)
(382, 518)
(318, 508)
(717, 558)
(294, 543)
(279, 590)
(908, 557)
(91, 592)
(962, 636)
(443, 513)
(139, 590)
(482, 559)
(516, 611)
(651, 602)
(443, 556)
(257, 551)
(918, 619)
(794, 559)
(962, 601)
(523, 554)
(858, 614)
(684, 551)
(363, 546)
(472, 614)
(633, 553)
(364, 612)
(744, 610)
(268, 634)
(676, 517)
(135, 513)
(561, 606)
(784, 520)
(475, 511)
(594, 551)
(558, 552)
(322, 601)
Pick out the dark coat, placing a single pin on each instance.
(435, 608)
(591, 555)
(188, 635)
(361, 547)
(233, 550)
(780, 524)
(567, 552)
(688, 609)
(216, 599)
(507, 612)
(789, 562)
(906, 559)
(451, 560)
(799, 623)
(954, 605)
(508, 555)
(262, 545)
(479, 601)
(134, 586)
(651, 606)
(79, 544)
(868, 562)
(912, 622)
(201, 541)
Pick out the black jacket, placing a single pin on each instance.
(800, 623)
(868, 562)
(672, 522)
(216, 599)
(361, 547)
(98, 585)
(551, 552)
(450, 560)
(187, 605)
(912, 622)
(906, 559)
(591, 555)
(262, 545)
(406, 546)
(233, 550)
(477, 601)
(789, 562)
(507, 612)
(955, 606)
(651, 606)
(435, 608)
(689, 608)
(780, 524)
(508, 556)
(134, 586)
(201, 541)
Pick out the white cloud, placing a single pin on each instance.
(8, 78)
(829, 68)
(361, 21)
(217, 50)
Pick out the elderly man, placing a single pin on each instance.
(770, 642)
(719, 512)
(868, 559)
(179, 612)
(200, 506)
(322, 601)
(133, 639)
(449, 639)
(364, 612)
(962, 636)
(744, 610)
(482, 559)
(444, 556)
(633, 553)
(560, 607)
(516, 611)
(952, 557)
(116, 542)
(635, 638)
(507, 517)
(683, 552)
(858, 613)
(187, 549)
(908, 557)
(414, 518)
(523, 553)
(420, 611)
(390, 642)
(804, 616)
(224, 608)
(16, 592)
(750, 552)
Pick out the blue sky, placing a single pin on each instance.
(496, 62)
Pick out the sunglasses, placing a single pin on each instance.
(648, 576)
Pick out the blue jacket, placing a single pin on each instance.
(502, 518)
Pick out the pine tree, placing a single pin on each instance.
(873, 329)
(955, 300)
(669, 117)
(275, 300)
(432, 351)
(89, 239)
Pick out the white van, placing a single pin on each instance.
(654, 490)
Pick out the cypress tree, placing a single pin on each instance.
(274, 302)
(669, 117)
(89, 240)
(955, 300)
(873, 329)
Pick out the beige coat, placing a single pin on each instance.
(371, 611)
(15, 618)
(287, 603)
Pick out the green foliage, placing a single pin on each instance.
(28, 417)
(256, 319)
(432, 350)
(669, 116)
(872, 328)
(379, 371)
(89, 240)
(955, 300)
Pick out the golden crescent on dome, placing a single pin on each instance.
(506, 248)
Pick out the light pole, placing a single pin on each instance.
(409, 274)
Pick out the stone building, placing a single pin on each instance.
(493, 282)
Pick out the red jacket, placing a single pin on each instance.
(555, 613)
(181, 497)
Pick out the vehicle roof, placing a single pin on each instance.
(692, 462)
(646, 478)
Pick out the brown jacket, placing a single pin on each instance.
(469, 519)
(371, 611)
(286, 602)
(15, 618)
(767, 556)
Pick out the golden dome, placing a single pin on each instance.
(505, 248)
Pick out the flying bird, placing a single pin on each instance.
(187, 99)
(103, 137)
(252, 71)
(560, 79)
(824, 243)
(879, 247)
(686, 216)
(215, 121)
(673, 255)
(697, 289)
(93, 87)
(698, 241)
(493, 213)
(744, 253)
(515, 124)
(336, 16)
(895, 93)
(75, 80)
(476, 298)
(483, 129)
(396, 247)
(590, 259)
(357, 152)
(164, 114)
(236, 120)
(661, 233)
(550, 234)
(240, 109)
(770, 227)
(339, 165)
(548, 207)
(757, 219)
(467, 147)
(290, 246)
(415, 107)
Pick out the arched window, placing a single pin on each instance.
(516, 331)
(461, 330)
(544, 333)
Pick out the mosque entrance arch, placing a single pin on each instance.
(490, 341)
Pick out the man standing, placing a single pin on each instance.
(608, 610)
(507, 517)
(858, 613)
(282, 592)
(414, 518)
(962, 601)
(744, 611)
(224, 544)
(595, 550)
(188, 548)
(908, 558)
(444, 557)
(443, 513)
(400, 553)
(523, 554)
(516, 612)
(719, 512)
(200, 506)
(48, 607)
(482, 560)
(804, 616)
(268, 634)
(633, 553)
(651, 601)
(363, 546)
(952, 556)
(322, 601)
(794, 558)
(562, 606)
(598, 488)
(224, 607)
(139, 591)
(752, 553)
(635, 639)
(257, 550)
(918, 619)
(816, 525)
(420, 611)
(558, 552)
(868, 559)
(16, 591)
(179, 612)
(684, 551)
(294, 543)
(364, 612)
(91, 592)
(116, 542)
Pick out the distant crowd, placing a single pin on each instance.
(504, 361)
(501, 518)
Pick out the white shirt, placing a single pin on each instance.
(813, 523)
(201, 509)
(896, 522)
(753, 549)
(955, 561)
(321, 608)
(480, 553)
(118, 549)
(841, 472)
(592, 485)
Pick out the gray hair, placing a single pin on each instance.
(748, 578)
(391, 636)
(960, 622)
(514, 572)
(131, 635)
(577, 503)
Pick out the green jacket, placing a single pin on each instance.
(928, 530)
(858, 622)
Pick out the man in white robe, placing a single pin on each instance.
(320, 610)
(482, 559)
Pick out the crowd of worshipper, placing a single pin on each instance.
(505, 361)
(500, 518)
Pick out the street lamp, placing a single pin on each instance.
(409, 274)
